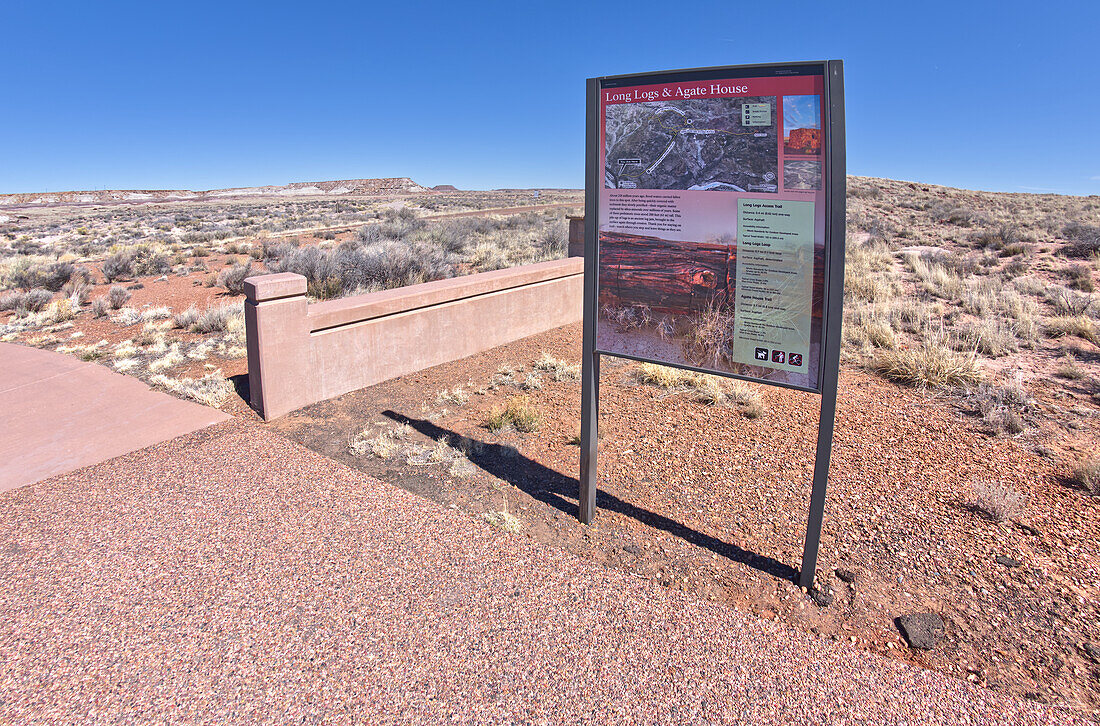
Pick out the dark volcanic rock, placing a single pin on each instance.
(845, 575)
(822, 596)
(1007, 561)
(921, 630)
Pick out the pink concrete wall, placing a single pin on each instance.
(300, 353)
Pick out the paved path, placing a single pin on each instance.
(230, 576)
(60, 414)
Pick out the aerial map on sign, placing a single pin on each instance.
(722, 144)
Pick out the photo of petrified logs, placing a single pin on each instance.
(676, 277)
(668, 276)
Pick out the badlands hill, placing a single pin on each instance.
(350, 187)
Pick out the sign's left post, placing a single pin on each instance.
(590, 359)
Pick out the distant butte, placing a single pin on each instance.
(350, 187)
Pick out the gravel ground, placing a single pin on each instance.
(231, 576)
(704, 499)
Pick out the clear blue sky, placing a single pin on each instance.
(998, 95)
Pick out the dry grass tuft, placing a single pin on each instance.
(560, 370)
(517, 413)
(504, 520)
(457, 396)
(210, 390)
(1078, 325)
(997, 500)
(933, 364)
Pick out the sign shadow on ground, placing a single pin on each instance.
(560, 491)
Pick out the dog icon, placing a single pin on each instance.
(762, 354)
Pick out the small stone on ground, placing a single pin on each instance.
(921, 630)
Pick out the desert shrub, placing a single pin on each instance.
(517, 413)
(353, 267)
(954, 214)
(1066, 301)
(1084, 240)
(933, 364)
(185, 319)
(1004, 236)
(868, 192)
(217, 319)
(117, 296)
(1086, 474)
(238, 248)
(196, 237)
(232, 278)
(100, 306)
(997, 500)
(77, 290)
(58, 311)
(31, 301)
(11, 301)
(117, 266)
(52, 276)
(147, 260)
(1002, 407)
(1080, 278)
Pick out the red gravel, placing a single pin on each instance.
(231, 576)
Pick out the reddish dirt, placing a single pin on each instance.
(702, 499)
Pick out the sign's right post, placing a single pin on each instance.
(837, 191)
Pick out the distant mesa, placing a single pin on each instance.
(445, 188)
(807, 141)
(348, 187)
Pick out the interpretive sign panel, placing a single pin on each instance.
(713, 221)
(714, 237)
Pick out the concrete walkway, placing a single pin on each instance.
(60, 414)
(230, 576)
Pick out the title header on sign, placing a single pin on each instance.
(685, 90)
(677, 91)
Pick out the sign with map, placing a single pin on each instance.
(712, 221)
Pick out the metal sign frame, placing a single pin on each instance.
(835, 187)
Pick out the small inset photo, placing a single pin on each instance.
(802, 174)
(802, 125)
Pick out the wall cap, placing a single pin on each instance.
(272, 287)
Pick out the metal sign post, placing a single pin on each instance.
(785, 124)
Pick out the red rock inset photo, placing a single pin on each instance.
(802, 125)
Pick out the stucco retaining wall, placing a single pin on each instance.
(299, 353)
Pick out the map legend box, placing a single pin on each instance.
(756, 114)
